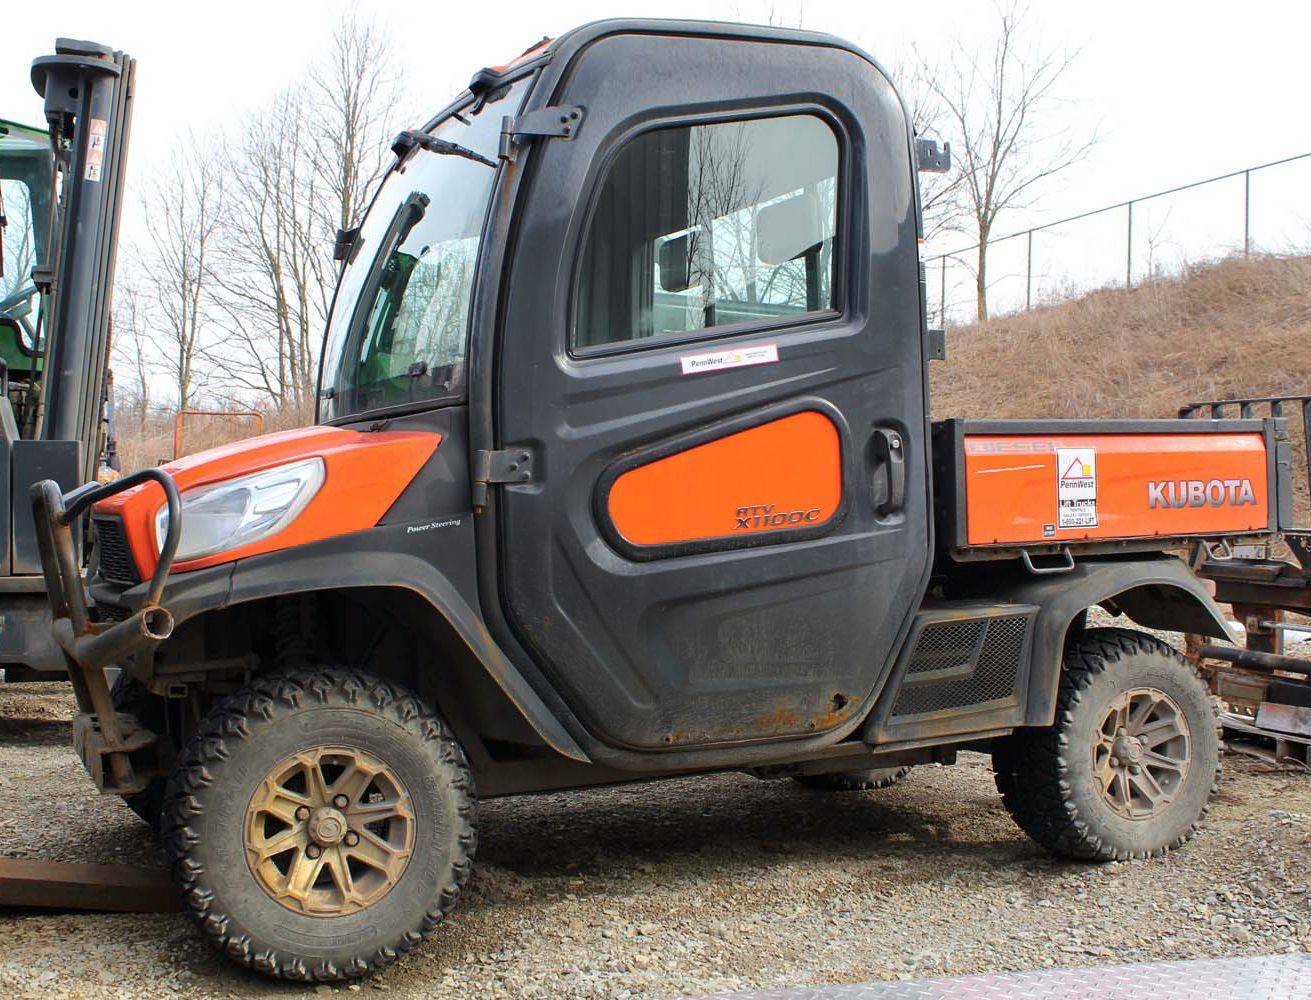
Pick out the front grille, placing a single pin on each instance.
(113, 553)
(962, 664)
(112, 613)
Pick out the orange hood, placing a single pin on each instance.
(364, 474)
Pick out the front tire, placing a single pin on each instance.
(1129, 766)
(321, 823)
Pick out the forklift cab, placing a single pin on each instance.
(26, 181)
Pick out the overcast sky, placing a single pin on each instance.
(1179, 90)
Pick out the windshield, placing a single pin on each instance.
(399, 327)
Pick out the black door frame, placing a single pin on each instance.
(553, 66)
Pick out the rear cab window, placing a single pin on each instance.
(702, 227)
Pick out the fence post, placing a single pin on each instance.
(1247, 213)
(1028, 276)
(1128, 256)
(942, 293)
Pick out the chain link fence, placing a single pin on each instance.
(1261, 209)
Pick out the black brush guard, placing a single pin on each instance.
(118, 751)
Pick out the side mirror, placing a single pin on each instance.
(789, 229)
(675, 264)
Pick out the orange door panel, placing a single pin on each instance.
(779, 476)
(1023, 488)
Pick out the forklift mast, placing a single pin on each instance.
(88, 106)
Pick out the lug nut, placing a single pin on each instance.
(352, 839)
(313, 851)
(340, 801)
(1135, 769)
(302, 813)
(1115, 762)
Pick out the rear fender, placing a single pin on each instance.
(1160, 593)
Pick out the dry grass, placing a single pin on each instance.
(147, 442)
(1235, 327)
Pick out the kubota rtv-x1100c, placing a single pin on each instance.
(624, 469)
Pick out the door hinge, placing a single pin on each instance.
(504, 465)
(550, 123)
(931, 158)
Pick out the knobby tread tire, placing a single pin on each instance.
(235, 719)
(1032, 766)
(869, 779)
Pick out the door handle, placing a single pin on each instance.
(890, 452)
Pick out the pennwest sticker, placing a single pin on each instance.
(760, 354)
(1076, 488)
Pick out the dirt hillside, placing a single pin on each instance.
(1236, 327)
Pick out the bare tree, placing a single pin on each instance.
(132, 349)
(998, 98)
(184, 211)
(356, 92)
(942, 196)
(272, 263)
(773, 14)
(297, 171)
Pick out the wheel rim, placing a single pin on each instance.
(1141, 752)
(329, 831)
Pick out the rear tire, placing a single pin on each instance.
(1129, 766)
(853, 781)
(131, 697)
(377, 840)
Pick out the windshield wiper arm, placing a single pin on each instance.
(412, 138)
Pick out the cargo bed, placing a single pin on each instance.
(1009, 486)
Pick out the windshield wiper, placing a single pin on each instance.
(411, 139)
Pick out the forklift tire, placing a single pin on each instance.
(131, 697)
(853, 781)
(321, 823)
(1129, 766)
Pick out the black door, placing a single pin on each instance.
(711, 340)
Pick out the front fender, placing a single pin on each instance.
(435, 559)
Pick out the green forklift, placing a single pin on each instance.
(60, 196)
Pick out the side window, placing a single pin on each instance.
(710, 225)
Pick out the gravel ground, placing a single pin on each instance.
(700, 885)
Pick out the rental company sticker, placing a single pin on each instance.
(1076, 487)
(762, 354)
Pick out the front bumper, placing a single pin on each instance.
(117, 750)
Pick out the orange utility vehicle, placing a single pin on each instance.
(624, 469)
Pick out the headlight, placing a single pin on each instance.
(236, 512)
